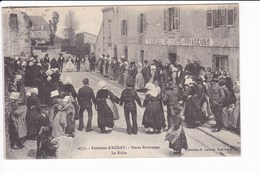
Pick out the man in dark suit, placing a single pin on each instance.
(61, 61)
(146, 72)
(77, 61)
(85, 98)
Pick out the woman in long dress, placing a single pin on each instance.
(192, 111)
(153, 118)
(139, 80)
(86, 63)
(32, 115)
(104, 110)
(69, 64)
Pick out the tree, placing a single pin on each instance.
(53, 25)
(71, 25)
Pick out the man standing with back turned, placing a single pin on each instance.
(85, 98)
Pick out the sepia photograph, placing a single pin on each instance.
(121, 81)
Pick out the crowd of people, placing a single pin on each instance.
(44, 107)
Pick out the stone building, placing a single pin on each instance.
(16, 32)
(40, 31)
(208, 33)
(85, 43)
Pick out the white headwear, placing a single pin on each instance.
(102, 85)
(188, 81)
(18, 77)
(16, 58)
(34, 91)
(152, 89)
(30, 63)
(39, 64)
(140, 64)
(49, 78)
(48, 72)
(68, 80)
(28, 93)
(14, 95)
(153, 67)
(54, 93)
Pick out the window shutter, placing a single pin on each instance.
(216, 18)
(122, 28)
(209, 18)
(125, 27)
(138, 23)
(177, 18)
(145, 23)
(230, 16)
(164, 20)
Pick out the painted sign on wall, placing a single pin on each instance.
(181, 42)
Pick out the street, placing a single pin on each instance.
(119, 144)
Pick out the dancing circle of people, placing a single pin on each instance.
(44, 107)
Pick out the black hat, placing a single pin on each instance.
(61, 54)
(132, 63)
(44, 106)
(214, 80)
(179, 66)
(85, 81)
(170, 85)
(129, 82)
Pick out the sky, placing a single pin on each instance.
(89, 18)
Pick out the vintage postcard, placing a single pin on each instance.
(136, 81)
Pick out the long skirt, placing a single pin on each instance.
(139, 81)
(59, 124)
(154, 116)
(177, 139)
(121, 79)
(21, 122)
(105, 115)
(32, 117)
(69, 66)
(86, 67)
(192, 113)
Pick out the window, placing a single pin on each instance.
(141, 23)
(221, 17)
(171, 19)
(210, 19)
(124, 27)
(109, 29)
(13, 22)
(126, 52)
(142, 56)
(220, 62)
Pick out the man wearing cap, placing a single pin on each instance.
(217, 97)
(128, 98)
(92, 61)
(61, 60)
(85, 98)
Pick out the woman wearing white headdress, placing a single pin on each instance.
(153, 118)
(69, 64)
(106, 108)
(33, 107)
(139, 79)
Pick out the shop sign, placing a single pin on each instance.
(203, 42)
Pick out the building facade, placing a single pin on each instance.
(85, 43)
(16, 33)
(208, 33)
(40, 31)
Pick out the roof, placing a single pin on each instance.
(38, 21)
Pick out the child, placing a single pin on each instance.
(128, 98)
(170, 98)
(175, 135)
